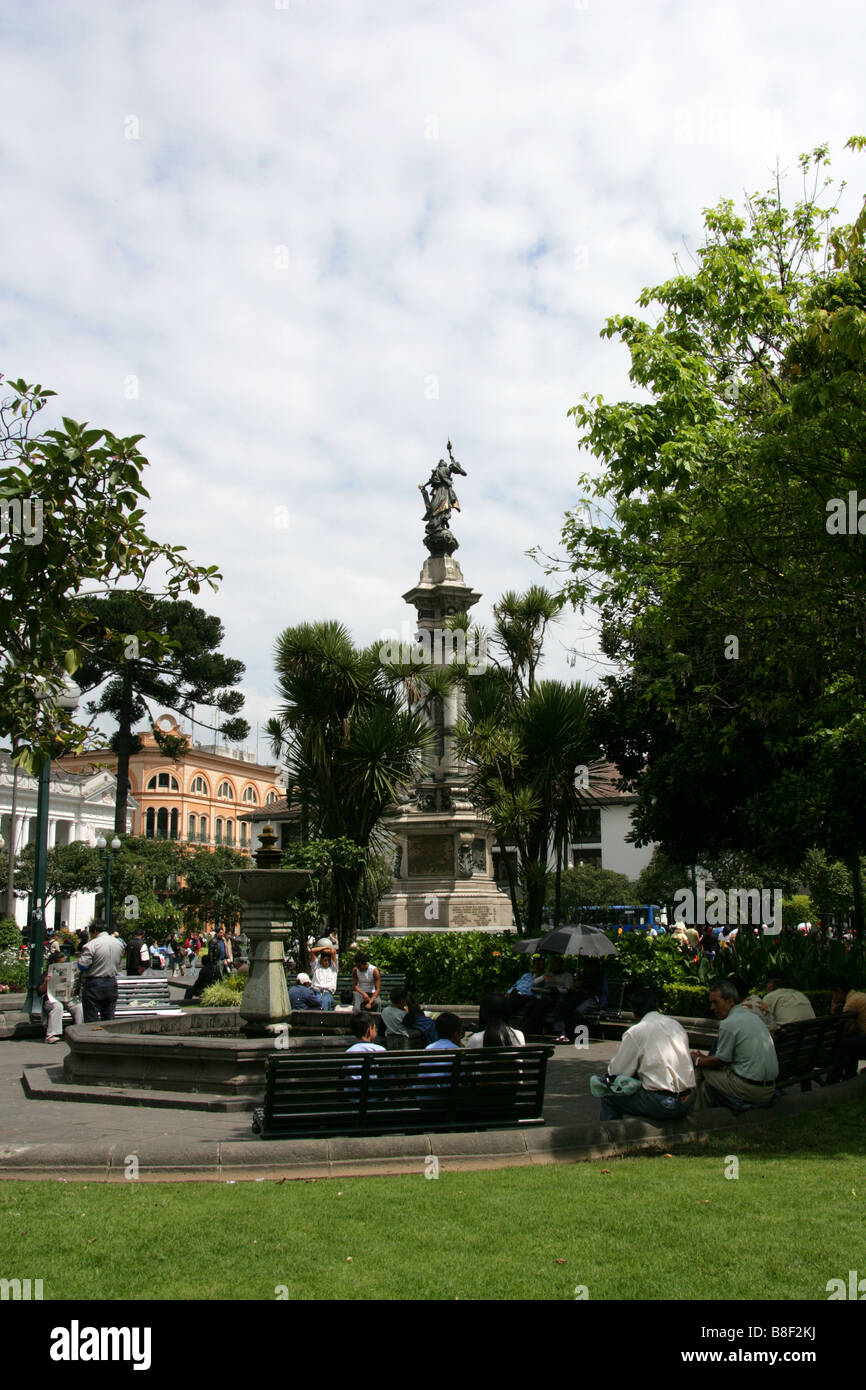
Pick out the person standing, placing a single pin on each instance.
(99, 962)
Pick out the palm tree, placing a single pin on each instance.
(526, 755)
(348, 740)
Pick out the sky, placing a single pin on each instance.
(300, 244)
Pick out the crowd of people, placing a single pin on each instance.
(654, 1072)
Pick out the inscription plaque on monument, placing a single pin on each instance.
(431, 854)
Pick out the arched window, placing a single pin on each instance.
(174, 825)
(198, 787)
(190, 833)
(202, 829)
(218, 831)
(163, 781)
(244, 834)
(251, 795)
(162, 823)
(230, 832)
(226, 791)
(150, 823)
(271, 797)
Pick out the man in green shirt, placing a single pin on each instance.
(744, 1067)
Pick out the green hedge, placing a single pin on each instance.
(448, 968)
(689, 1001)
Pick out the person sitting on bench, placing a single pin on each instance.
(546, 992)
(52, 1010)
(365, 1028)
(495, 1017)
(745, 1065)
(394, 1014)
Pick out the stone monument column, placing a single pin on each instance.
(443, 861)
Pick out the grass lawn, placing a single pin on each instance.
(639, 1228)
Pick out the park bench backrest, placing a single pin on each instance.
(387, 983)
(808, 1046)
(404, 1090)
(142, 993)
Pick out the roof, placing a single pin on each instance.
(604, 786)
(276, 810)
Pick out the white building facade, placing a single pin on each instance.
(81, 808)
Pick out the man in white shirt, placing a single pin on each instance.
(324, 972)
(656, 1052)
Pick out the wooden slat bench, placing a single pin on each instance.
(402, 1092)
(387, 983)
(806, 1050)
(142, 995)
(613, 1007)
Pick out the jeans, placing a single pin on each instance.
(654, 1105)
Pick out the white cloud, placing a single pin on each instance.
(463, 195)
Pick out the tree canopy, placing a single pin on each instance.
(730, 601)
(71, 523)
(140, 648)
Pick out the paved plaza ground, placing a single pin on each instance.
(567, 1101)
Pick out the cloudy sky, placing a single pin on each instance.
(299, 243)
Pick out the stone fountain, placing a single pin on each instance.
(264, 892)
(215, 1058)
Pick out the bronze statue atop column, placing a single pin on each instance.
(440, 500)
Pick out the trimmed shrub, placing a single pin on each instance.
(689, 1001)
(10, 933)
(220, 996)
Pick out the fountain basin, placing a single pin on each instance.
(201, 1051)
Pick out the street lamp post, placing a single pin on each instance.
(109, 853)
(66, 700)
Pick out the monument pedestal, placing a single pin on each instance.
(443, 865)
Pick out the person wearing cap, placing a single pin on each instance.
(324, 971)
(302, 995)
(784, 1004)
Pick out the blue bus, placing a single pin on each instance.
(643, 917)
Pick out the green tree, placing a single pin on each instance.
(733, 609)
(531, 747)
(349, 742)
(72, 868)
(72, 524)
(587, 885)
(202, 895)
(146, 649)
